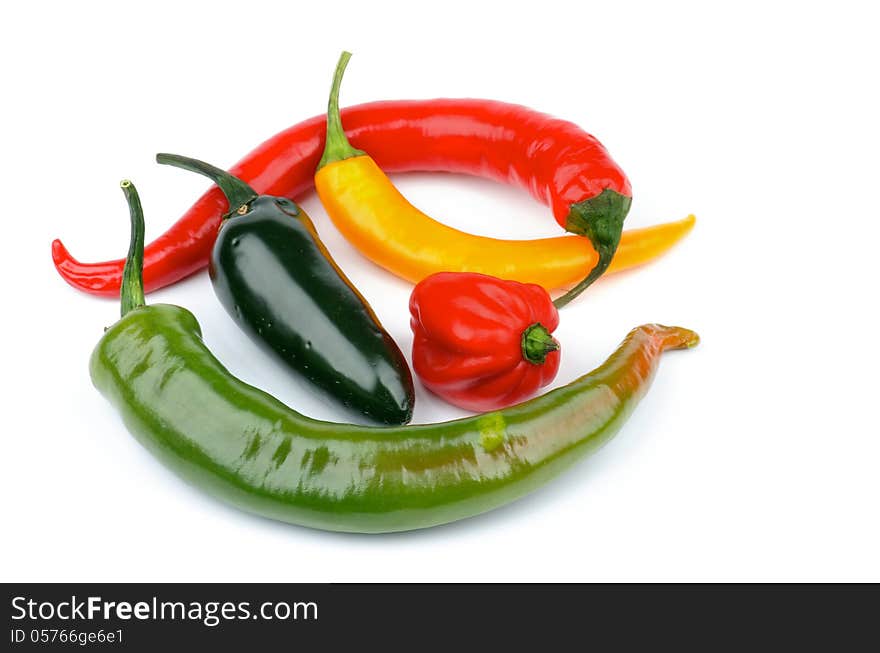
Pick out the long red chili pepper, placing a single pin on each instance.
(559, 164)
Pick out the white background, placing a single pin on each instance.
(754, 457)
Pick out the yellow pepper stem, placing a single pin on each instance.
(336, 146)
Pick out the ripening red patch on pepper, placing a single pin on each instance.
(481, 342)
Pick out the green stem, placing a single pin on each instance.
(537, 343)
(237, 192)
(337, 147)
(605, 256)
(600, 219)
(132, 289)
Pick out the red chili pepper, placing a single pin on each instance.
(480, 342)
(559, 164)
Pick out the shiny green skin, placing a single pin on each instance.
(251, 450)
(276, 279)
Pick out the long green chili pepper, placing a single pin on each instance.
(250, 449)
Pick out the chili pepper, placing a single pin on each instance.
(481, 342)
(248, 448)
(373, 215)
(553, 159)
(276, 279)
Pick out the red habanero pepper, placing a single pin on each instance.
(481, 342)
(557, 162)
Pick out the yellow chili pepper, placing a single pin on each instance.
(374, 217)
(385, 227)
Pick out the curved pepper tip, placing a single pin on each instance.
(61, 257)
(691, 339)
(77, 275)
(673, 337)
(59, 252)
(62, 260)
(687, 224)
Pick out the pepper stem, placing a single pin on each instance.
(600, 219)
(336, 146)
(237, 193)
(537, 343)
(132, 288)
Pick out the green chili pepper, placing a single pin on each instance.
(250, 449)
(276, 279)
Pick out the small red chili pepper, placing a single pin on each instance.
(481, 342)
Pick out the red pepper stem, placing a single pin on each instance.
(595, 273)
(132, 290)
(336, 146)
(600, 219)
(537, 343)
(237, 192)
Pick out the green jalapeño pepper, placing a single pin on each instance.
(276, 279)
(245, 446)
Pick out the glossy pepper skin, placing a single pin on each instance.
(277, 280)
(480, 342)
(377, 219)
(251, 450)
(558, 163)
